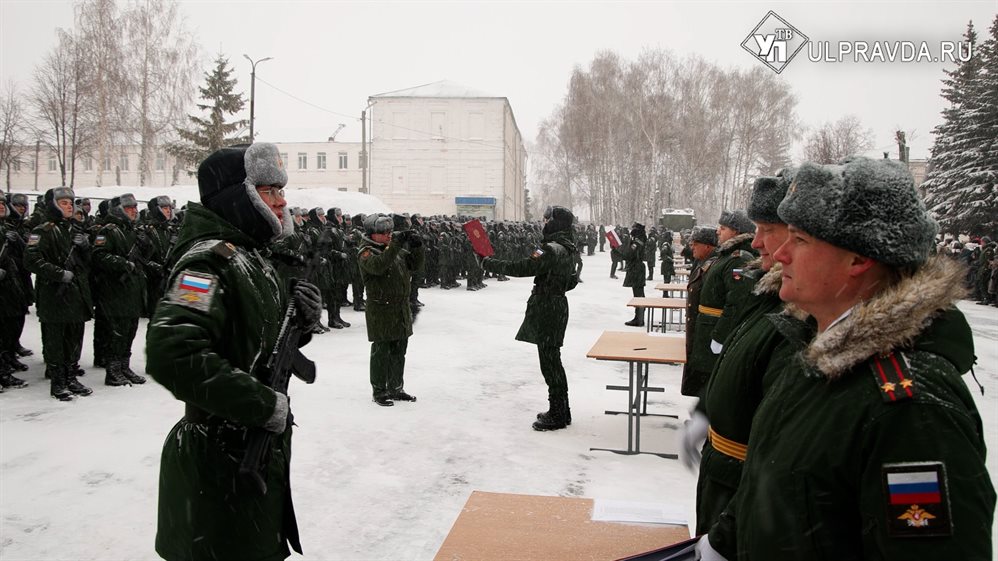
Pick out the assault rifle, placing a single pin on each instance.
(69, 265)
(286, 359)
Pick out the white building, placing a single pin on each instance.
(442, 148)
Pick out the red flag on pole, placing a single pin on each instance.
(614, 239)
(479, 239)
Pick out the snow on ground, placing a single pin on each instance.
(79, 480)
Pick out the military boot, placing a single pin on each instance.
(546, 416)
(8, 380)
(339, 318)
(15, 364)
(639, 318)
(76, 370)
(23, 352)
(557, 417)
(58, 387)
(113, 375)
(74, 385)
(129, 374)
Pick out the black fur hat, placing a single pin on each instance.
(767, 194)
(558, 218)
(868, 206)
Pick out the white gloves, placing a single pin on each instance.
(716, 347)
(691, 438)
(705, 552)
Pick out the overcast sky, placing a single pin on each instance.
(328, 57)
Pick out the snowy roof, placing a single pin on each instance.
(443, 88)
(688, 211)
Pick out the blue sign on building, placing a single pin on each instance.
(477, 201)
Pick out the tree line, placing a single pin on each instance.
(122, 76)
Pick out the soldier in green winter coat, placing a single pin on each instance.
(703, 242)
(17, 208)
(60, 259)
(867, 444)
(725, 287)
(120, 289)
(553, 267)
(159, 234)
(208, 344)
(736, 386)
(633, 252)
(387, 262)
(13, 299)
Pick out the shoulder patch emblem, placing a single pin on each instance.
(33, 239)
(537, 253)
(193, 289)
(365, 254)
(48, 226)
(736, 253)
(917, 500)
(101, 239)
(225, 249)
(893, 377)
(736, 274)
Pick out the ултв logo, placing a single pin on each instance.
(774, 42)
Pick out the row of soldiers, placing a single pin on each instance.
(979, 256)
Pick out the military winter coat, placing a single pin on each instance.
(206, 344)
(50, 252)
(119, 292)
(14, 296)
(387, 272)
(553, 268)
(733, 393)
(725, 287)
(694, 380)
(868, 444)
(632, 252)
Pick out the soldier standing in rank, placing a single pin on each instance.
(868, 444)
(59, 259)
(633, 252)
(17, 209)
(13, 300)
(666, 254)
(336, 268)
(602, 238)
(651, 250)
(553, 267)
(703, 242)
(158, 234)
(207, 344)
(120, 281)
(353, 241)
(615, 253)
(387, 262)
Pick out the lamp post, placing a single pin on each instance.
(253, 88)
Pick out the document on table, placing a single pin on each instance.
(605, 510)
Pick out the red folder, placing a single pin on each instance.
(614, 239)
(479, 239)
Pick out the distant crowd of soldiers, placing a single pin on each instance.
(979, 255)
(125, 259)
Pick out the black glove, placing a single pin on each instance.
(67, 276)
(155, 268)
(3, 274)
(308, 300)
(81, 241)
(12, 235)
(129, 266)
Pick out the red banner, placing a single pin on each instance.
(614, 239)
(479, 239)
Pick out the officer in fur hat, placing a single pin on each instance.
(633, 252)
(207, 344)
(703, 242)
(387, 262)
(553, 267)
(867, 444)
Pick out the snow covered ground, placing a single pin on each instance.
(79, 480)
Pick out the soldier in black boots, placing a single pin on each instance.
(59, 259)
(13, 300)
(633, 252)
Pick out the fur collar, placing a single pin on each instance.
(729, 245)
(890, 320)
(771, 282)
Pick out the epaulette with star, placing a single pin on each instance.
(224, 249)
(893, 377)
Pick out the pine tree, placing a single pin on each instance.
(209, 134)
(961, 182)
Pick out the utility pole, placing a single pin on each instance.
(363, 151)
(253, 89)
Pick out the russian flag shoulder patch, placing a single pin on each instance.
(193, 289)
(917, 500)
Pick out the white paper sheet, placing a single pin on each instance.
(605, 510)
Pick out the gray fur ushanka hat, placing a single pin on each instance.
(737, 221)
(863, 205)
(767, 194)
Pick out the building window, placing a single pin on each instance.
(437, 120)
(320, 160)
(284, 158)
(160, 161)
(343, 160)
(88, 164)
(53, 165)
(17, 165)
(344, 189)
(107, 163)
(123, 162)
(302, 160)
(31, 164)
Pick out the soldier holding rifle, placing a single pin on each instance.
(211, 342)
